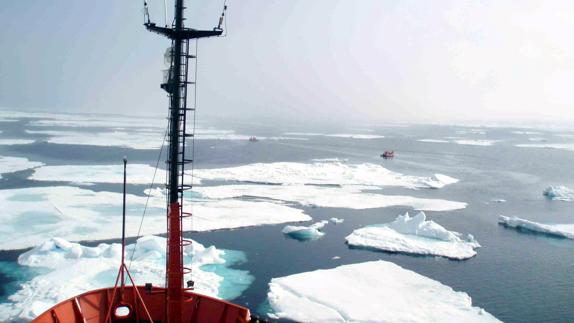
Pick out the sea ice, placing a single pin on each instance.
(568, 146)
(10, 142)
(336, 220)
(414, 235)
(559, 193)
(557, 230)
(32, 215)
(377, 291)
(473, 142)
(16, 164)
(351, 197)
(303, 233)
(69, 269)
(133, 140)
(322, 173)
(337, 135)
(434, 140)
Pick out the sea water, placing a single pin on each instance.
(517, 277)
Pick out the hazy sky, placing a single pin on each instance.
(331, 60)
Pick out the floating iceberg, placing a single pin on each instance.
(559, 193)
(304, 233)
(16, 164)
(336, 220)
(322, 173)
(414, 235)
(557, 230)
(377, 291)
(68, 269)
(32, 215)
(351, 197)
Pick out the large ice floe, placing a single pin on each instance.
(32, 215)
(87, 174)
(113, 138)
(60, 263)
(323, 173)
(336, 135)
(556, 230)
(561, 146)
(559, 193)
(377, 291)
(10, 142)
(414, 235)
(475, 142)
(352, 197)
(16, 164)
(304, 233)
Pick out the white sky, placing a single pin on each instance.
(323, 60)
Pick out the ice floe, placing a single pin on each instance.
(32, 215)
(16, 164)
(434, 140)
(10, 142)
(337, 135)
(414, 235)
(377, 291)
(351, 197)
(322, 173)
(86, 174)
(563, 146)
(133, 140)
(304, 233)
(68, 269)
(559, 193)
(557, 230)
(473, 142)
(336, 220)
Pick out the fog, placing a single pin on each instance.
(300, 60)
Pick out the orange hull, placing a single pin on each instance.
(93, 306)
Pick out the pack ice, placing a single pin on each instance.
(67, 269)
(377, 291)
(16, 164)
(414, 235)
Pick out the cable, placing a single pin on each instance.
(148, 196)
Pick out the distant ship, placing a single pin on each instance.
(173, 303)
(253, 139)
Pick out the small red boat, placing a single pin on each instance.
(173, 303)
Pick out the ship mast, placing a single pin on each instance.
(176, 86)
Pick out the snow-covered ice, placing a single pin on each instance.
(351, 197)
(322, 173)
(414, 235)
(68, 269)
(303, 233)
(86, 174)
(559, 193)
(437, 141)
(377, 291)
(557, 230)
(10, 142)
(561, 146)
(32, 215)
(133, 140)
(473, 142)
(16, 164)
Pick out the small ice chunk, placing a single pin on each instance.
(561, 146)
(336, 258)
(414, 235)
(498, 200)
(559, 193)
(472, 142)
(436, 141)
(304, 233)
(336, 220)
(367, 292)
(557, 230)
